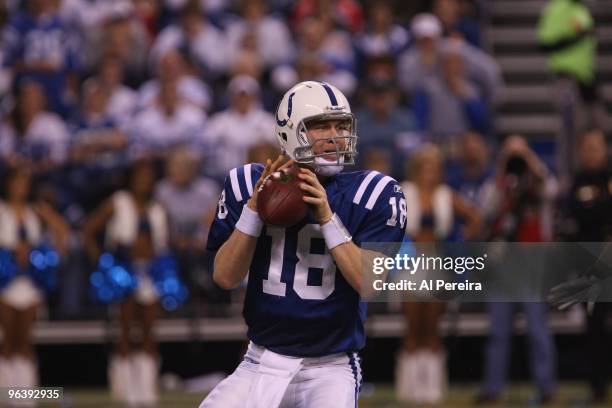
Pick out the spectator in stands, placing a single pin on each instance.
(98, 148)
(446, 108)
(6, 75)
(39, 46)
(566, 32)
(518, 207)
(5, 10)
(248, 63)
(31, 134)
(245, 59)
(330, 50)
(121, 104)
(168, 123)
(147, 13)
(346, 14)
(431, 217)
(123, 37)
(216, 10)
(378, 159)
(136, 231)
(420, 62)
(90, 21)
(333, 49)
(24, 226)
(423, 61)
(381, 68)
(273, 42)
(589, 219)
(307, 67)
(456, 22)
(472, 168)
(232, 132)
(262, 152)
(172, 68)
(189, 199)
(384, 124)
(87, 16)
(191, 203)
(382, 36)
(202, 43)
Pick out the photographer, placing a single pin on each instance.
(518, 201)
(518, 205)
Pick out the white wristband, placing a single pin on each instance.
(334, 232)
(249, 222)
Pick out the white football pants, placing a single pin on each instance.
(269, 380)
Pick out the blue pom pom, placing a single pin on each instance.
(169, 303)
(96, 279)
(113, 280)
(106, 261)
(43, 267)
(8, 267)
(167, 281)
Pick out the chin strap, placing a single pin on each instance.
(328, 170)
(324, 168)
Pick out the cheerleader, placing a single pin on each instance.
(432, 209)
(23, 227)
(135, 227)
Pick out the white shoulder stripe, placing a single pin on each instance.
(380, 186)
(247, 177)
(364, 184)
(235, 185)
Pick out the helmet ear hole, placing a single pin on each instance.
(302, 135)
(283, 136)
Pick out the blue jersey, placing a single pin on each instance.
(31, 40)
(298, 303)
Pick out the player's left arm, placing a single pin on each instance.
(347, 255)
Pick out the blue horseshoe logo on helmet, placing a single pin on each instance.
(289, 109)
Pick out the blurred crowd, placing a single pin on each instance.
(89, 87)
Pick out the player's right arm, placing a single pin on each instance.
(236, 253)
(233, 259)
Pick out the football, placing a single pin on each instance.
(280, 202)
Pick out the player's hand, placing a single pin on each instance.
(315, 195)
(582, 289)
(270, 168)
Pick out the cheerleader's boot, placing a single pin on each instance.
(120, 378)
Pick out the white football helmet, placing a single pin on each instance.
(308, 102)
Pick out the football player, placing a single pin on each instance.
(303, 308)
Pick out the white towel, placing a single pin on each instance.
(273, 377)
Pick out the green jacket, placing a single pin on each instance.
(565, 30)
